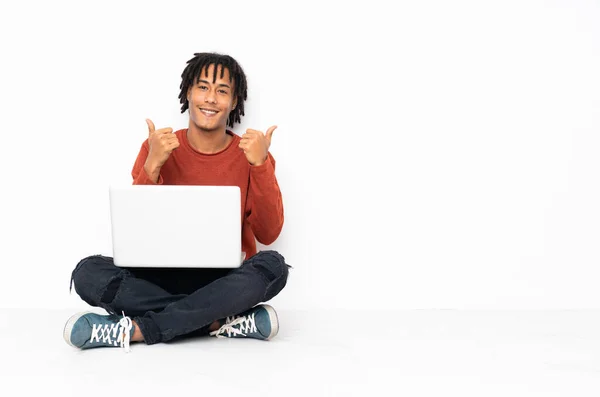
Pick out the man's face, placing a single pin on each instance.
(210, 103)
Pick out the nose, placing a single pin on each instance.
(210, 97)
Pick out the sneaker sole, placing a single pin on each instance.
(274, 321)
(69, 327)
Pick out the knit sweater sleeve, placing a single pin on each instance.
(265, 202)
(140, 177)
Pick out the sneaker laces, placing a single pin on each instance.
(244, 324)
(113, 333)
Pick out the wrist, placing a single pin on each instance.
(152, 170)
(259, 163)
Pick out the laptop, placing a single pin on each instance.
(176, 226)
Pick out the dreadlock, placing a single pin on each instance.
(200, 63)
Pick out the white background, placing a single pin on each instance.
(432, 155)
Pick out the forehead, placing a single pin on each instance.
(215, 74)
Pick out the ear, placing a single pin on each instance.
(234, 103)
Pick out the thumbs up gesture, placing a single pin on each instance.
(162, 143)
(256, 145)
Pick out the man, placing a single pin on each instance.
(158, 305)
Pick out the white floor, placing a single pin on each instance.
(404, 353)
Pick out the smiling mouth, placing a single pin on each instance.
(209, 112)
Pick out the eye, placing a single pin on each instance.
(202, 87)
(223, 91)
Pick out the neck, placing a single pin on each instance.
(207, 141)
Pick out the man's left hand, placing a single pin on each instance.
(256, 145)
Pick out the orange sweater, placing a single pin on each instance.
(262, 206)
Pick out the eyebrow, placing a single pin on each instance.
(207, 82)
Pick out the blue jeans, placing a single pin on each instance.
(169, 303)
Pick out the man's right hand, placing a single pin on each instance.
(162, 143)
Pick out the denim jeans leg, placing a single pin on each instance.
(258, 279)
(102, 284)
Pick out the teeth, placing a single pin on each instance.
(208, 111)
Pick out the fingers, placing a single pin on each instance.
(244, 143)
(152, 129)
(248, 137)
(173, 145)
(269, 133)
(166, 141)
(252, 134)
(151, 126)
(170, 139)
(164, 131)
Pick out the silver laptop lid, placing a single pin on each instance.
(176, 226)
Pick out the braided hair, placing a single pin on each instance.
(199, 64)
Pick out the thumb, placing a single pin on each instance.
(269, 133)
(151, 126)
